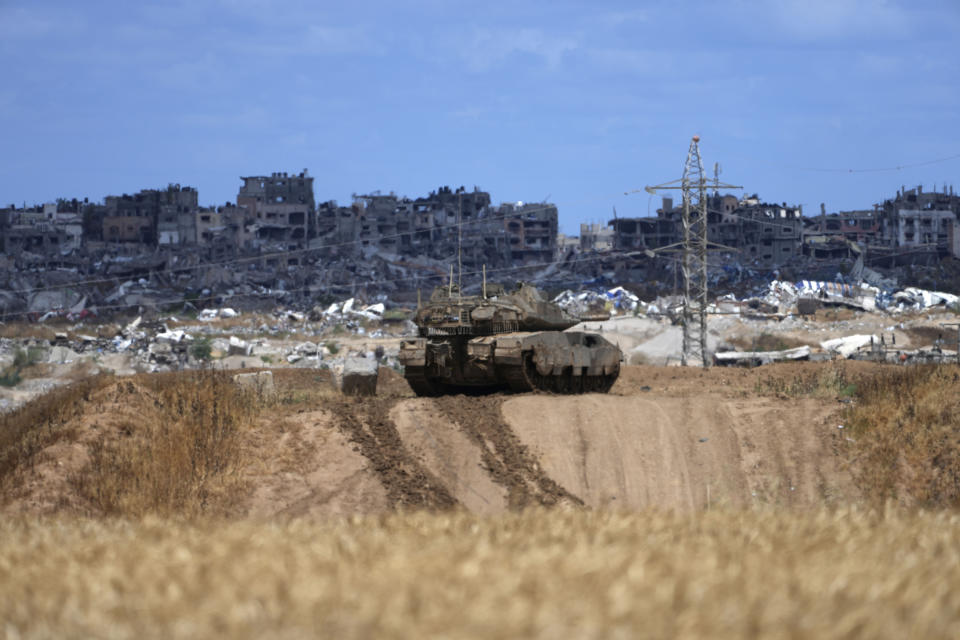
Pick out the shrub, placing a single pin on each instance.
(201, 349)
(182, 452)
(10, 377)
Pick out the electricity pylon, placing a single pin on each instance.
(694, 247)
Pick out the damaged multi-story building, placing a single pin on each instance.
(151, 216)
(922, 220)
(33, 230)
(595, 237)
(914, 227)
(758, 233)
(841, 235)
(445, 223)
(531, 230)
(281, 210)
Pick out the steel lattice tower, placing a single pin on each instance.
(694, 246)
(694, 257)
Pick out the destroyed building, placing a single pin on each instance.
(916, 219)
(437, 225)
(758, 233)
(151, 216)
(33, 230)
(282, 209)
(596, 237)
(531, 230)
(766, 234)
(837, 236)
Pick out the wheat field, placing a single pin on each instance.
(536, 574)
(149, 546)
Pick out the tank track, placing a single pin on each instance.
(527, 378)
(420, 383)
(520, 379)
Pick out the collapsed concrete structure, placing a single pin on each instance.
(159, 247)
(763, 234)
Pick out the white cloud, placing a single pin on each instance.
(489, 48)
(244, 118)
(815, 19)
(620, 18)
(20, 23)
(328, 39)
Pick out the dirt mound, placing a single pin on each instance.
(680, 439)
(682, 453)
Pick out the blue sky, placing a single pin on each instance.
(572, 101)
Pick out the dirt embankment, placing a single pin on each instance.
(678, 439)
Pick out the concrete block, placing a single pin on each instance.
(239, 347)
(260, 382)
(359, 377)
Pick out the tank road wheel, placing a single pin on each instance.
(606, 381)
(580, 384)
(515, 378)
(534, 380)
(420, 383)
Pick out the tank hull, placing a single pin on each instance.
(554, 361)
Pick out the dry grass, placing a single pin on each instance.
(833, 380)
(926, 336)
(539, 574)
(835, 314)
(906, 427)
(181, 457)
(28, 430)
(25, 330)
(767, 342)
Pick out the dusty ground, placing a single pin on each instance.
(667, 438)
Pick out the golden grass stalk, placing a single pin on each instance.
(537, 574)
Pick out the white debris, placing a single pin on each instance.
(173, 337)
(207, 315)
(132, 327)
(923, 299)
(616, 300)
(239, 347)
(848, 345)
(762, 357)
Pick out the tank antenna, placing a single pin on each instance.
(450, 283)
(418, 299)
(485, 282)
(459, 243)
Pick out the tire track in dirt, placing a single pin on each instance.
(507, 460)
(366, 422)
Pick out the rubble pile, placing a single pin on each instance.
(866, 297)
(616, 301)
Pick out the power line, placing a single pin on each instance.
(898, 167)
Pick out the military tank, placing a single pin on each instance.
(499, 340)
